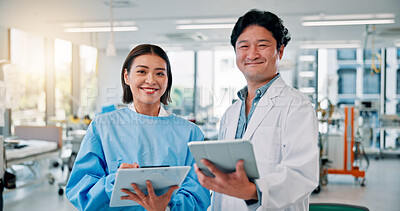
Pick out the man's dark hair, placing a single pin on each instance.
(268, 20)
(139, 51)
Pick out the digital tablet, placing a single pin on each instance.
(161, 178)
(224, 154)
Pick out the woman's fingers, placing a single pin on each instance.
(130, 196)
(128, 166)
(138, 191)
(150, 189)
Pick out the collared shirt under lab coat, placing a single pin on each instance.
(284, 134)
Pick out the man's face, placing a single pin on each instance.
(256, 54)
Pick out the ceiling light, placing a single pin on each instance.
(307, 74)
(307, 58)
(307, 89)
(98, 24)
(206, 26)
(206, 21)
(101, 29)
(330, 44)
(348, 17)
(347, 22)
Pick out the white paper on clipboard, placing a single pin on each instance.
(161, 178)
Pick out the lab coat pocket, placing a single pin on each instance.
(267, 145)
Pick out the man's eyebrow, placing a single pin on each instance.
(264, 40)
(242, 41)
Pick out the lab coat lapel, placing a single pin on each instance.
(264, 107)
(233, 120)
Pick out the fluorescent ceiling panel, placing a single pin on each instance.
(348, 22)
(206, 26)
(101, 29)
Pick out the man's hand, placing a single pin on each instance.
(150, 202)
(235, 184)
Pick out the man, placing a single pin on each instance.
(278, 120)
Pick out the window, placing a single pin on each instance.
(182, 65)
(28, 58)
(347, 81)
(63, 78)
(88, 76)
(398, 53)
(368, 54)
(398, 81)
(371, 82)
(346, 54)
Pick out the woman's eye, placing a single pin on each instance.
(141, 71)
(161, 73)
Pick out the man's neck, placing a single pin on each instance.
(251, 91)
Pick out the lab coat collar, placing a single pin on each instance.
(161, 113)
(264, 106)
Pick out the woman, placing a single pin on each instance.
(143, 134)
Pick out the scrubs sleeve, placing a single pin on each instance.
(89, 186)
(191, 195)
(296, 176)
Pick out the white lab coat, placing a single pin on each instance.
(284, 134)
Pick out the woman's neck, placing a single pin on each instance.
(147, 109)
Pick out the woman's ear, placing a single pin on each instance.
(126, 77)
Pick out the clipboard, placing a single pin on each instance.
(161, 178)
(224, 154)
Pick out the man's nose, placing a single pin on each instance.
(253, 53)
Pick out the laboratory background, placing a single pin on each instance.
(60, 65)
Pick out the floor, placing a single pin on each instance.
(382, 191)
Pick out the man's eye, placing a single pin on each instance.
(243, 46)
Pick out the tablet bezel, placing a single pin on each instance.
(166, 176)
(224, 154)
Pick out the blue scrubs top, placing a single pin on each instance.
(124, 136)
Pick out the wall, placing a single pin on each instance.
(109, 78)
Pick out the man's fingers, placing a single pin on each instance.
(240, 169)
(138, 191)
(214, 170)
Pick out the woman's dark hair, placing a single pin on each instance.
(268, 20)
(139, 51)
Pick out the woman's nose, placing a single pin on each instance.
(150, 79)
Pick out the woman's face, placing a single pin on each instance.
(147, 79)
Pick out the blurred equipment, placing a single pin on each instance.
(345, 153)
(38, 143)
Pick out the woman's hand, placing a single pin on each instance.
(128, 166)
(151, 201)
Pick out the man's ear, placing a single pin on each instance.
(280, 51)
(126, 78)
